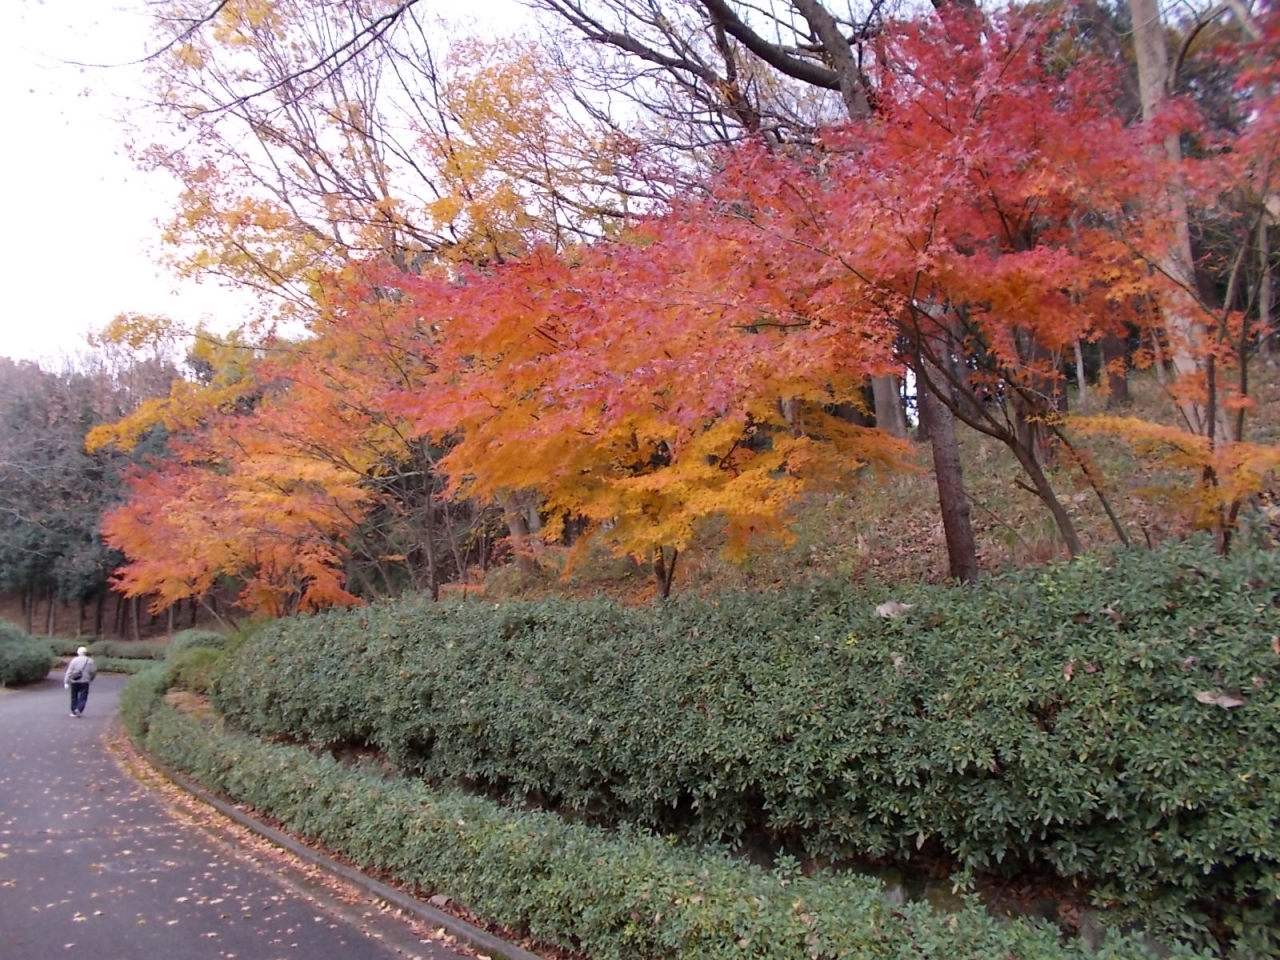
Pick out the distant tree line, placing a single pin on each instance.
(53, 492)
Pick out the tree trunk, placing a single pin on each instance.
(957, 526)
(839, 55)
(1044, 490)
(855, 414)
(1115, 361)
(1082, 398)
(1187, 336)
(427, 544)
(1160, 365)
(922, 421)
(664, 572)
(51, 621)
(97, 616)
(28, 608)
(1030, 408)
(137, 625)
(518, 527)
(532, 515)
(890, 417)
(790, 408)
(1264, 287)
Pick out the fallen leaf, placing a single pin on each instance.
(1224, 700)
(893, 609)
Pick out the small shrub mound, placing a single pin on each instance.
(1111, 725)
(23, 658)
(195, 639)
(611, 895)
(193, 669)
(141, 698)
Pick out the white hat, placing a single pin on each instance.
(82, 652)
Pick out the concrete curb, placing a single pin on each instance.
(479, 940)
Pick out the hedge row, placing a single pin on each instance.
(111, 649)
(23, 658)
(134, 656)
(612, 895)
(1047, 718)
(120, 665)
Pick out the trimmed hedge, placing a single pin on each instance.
(610, 895)
(23, 658)
(141, 698)
(117, 665)
(1047, 718)
(111, 649)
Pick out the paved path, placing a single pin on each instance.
(94, 863)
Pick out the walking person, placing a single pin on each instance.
(80, 673)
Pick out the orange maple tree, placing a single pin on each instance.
(645, 387)
(232, 500)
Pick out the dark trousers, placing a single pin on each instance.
(79, 697)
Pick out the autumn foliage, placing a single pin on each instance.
(693, 372)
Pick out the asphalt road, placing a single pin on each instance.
(97, 863)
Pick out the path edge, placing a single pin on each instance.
(474, 937)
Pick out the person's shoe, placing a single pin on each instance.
(74, 714)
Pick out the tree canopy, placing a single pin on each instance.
(654, 326)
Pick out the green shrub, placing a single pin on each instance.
(116, 665)
(129, 649)
(193, 669)
(141, 698)
(65, 646)
(611, 895)
(1051, 718)
(111, 649)
(23, 658)
(193, 639)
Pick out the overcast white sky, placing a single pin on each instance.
(78, 242)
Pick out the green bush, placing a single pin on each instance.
(1046, 719)
(116, 665)
(193, 669)
(65, 646)
(23, 658)
(141, 698)
(195, 639)
(611, 895)
(129, 649)
(111, 649)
